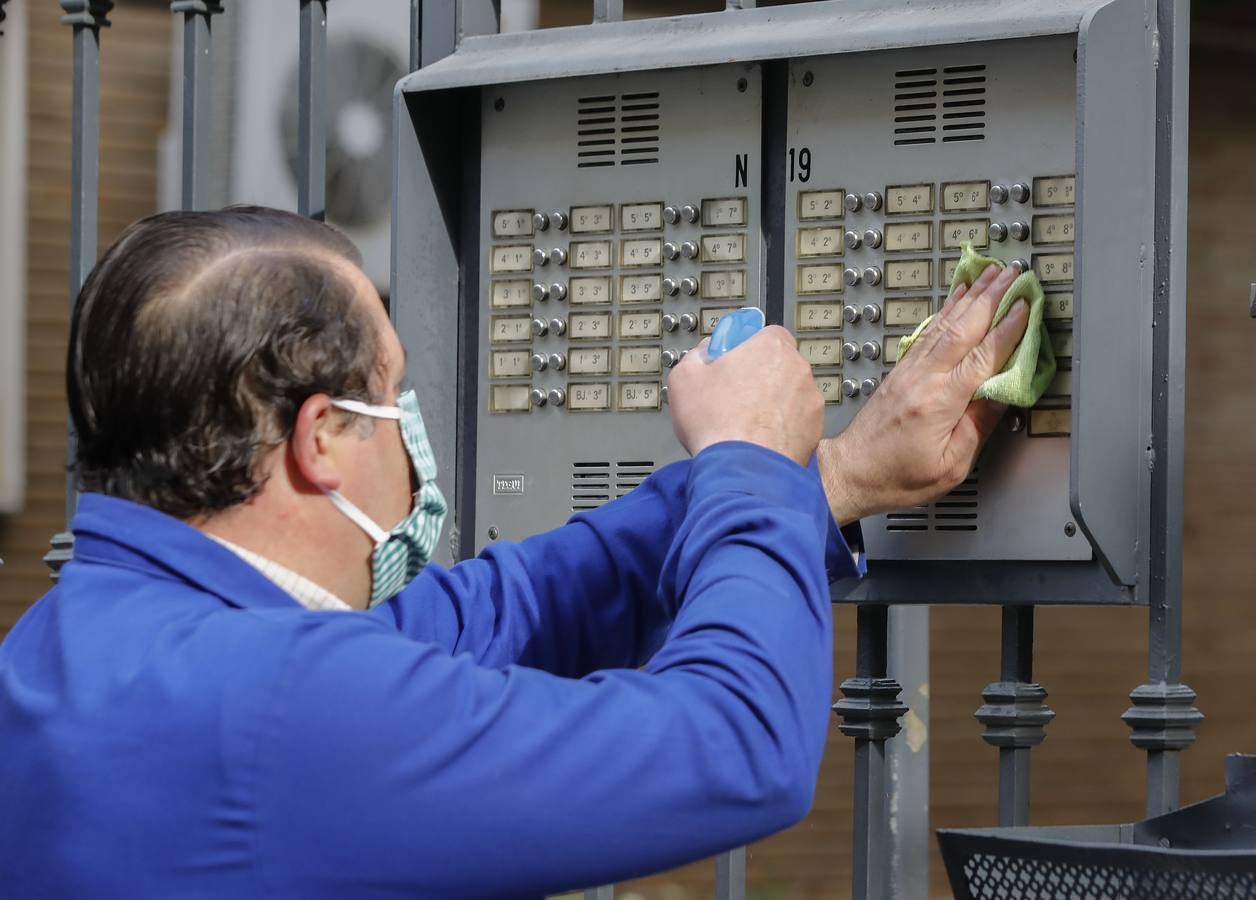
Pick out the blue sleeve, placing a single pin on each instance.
(391, 763)
(843, 547)
(578, 598)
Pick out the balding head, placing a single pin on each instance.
(194, 343)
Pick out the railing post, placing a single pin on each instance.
(86, 17)
(1014, 714)
(608, 10)
(198, 75)
(311, 124)
(1163, 715)
(870, 712)
(907, 759)
(730, 875)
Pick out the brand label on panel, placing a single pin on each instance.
(507, 484)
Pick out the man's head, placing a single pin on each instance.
(205, 349)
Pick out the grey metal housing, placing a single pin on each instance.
(438, 247)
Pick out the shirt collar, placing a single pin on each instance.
(296, 585)
(115, 532)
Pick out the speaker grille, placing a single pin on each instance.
(947, 105)
(617, 130)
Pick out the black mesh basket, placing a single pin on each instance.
(1207, 850)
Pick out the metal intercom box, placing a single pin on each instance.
(575, 208)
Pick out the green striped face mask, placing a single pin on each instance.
(402, 551)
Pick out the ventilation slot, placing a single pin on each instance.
(957, 511)
(593, 484)
(590, 485)
(915, 107)
(914, 519)
(617, 130)
(951, 107)
(963, 104)
(630, 474)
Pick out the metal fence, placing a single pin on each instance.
(1014, 714)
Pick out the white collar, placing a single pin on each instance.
(298, 587)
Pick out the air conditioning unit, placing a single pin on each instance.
(253, 143)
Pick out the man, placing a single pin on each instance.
(199, 709)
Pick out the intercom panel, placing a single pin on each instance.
(577, 208)
(619, 218)
(894, 160)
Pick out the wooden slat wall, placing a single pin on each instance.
(1088, 659)
(135, 61)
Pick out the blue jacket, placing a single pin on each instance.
(644, 686)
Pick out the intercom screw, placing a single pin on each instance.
(808, 79)
(499, 104)
(742, 84)
(493, 533)
(1069, 529)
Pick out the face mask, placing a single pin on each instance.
(401, 552)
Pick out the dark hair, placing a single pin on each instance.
(193, 344)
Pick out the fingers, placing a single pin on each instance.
(988, 274)
(970, 434)
(989, 357)
(955, 297)
(965, 328)
(939, 327)
(985, 416)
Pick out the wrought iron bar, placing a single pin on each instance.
(311, 124)
(870, 712)
(86, 17)
(1014, 714)
(907, 759)
(608, 10)
(730, 875)
(1163, 715)
(416, 34)
(198, 75)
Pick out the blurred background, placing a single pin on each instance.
(1088, 660)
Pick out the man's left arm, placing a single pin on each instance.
(577, 598)
(574, 599)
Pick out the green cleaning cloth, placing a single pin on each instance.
(1031, 366)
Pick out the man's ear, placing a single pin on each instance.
(316, 429)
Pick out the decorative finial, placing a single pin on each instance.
(91, 13)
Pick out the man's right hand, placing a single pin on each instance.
(761, 392)
(919, 434)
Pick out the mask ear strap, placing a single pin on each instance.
(368, 409)
(359, 518)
